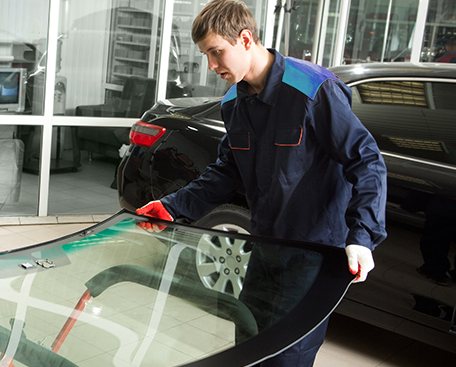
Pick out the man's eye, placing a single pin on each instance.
(216, 52)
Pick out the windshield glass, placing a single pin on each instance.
(118, 295)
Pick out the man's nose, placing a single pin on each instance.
(212, 64)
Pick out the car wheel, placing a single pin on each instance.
(222, 263)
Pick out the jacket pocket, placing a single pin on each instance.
(239, 140)
(288, 136)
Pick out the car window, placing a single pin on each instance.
(414, 125)
(118, 295)
(413, 118)
(393, 93)
(214, 114)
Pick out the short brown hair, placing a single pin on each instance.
(227, 18)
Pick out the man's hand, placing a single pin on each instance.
(154, 209)
(360, 261)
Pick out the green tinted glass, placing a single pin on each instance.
(117, 295)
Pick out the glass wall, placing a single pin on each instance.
(108, 57)
(105, 77)
(380, 30)
(329, 29)
(105, 58)
(103, 63)
(111, 70)
(439, 42)
(18, 179)
(301, 20)
(83, 169)
(23, 44)
(192, 71)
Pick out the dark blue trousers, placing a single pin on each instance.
(438, 234)
(277, 278)
(301, 354)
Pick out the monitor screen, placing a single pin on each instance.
(12, 89)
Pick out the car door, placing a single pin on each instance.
(115, 294)
(413, 121)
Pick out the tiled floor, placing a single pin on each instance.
(351, 343)
(348, 341)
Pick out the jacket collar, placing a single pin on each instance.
(270, 92)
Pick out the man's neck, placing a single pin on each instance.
(261, 65)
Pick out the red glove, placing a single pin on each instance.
(154, 209)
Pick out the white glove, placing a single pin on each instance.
(360, 261)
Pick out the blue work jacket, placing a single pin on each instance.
(311, 170)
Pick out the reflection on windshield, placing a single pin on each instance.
(121, 296)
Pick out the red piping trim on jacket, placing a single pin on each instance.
(248, 148)
(291, 145)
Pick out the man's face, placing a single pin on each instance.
(226, 60)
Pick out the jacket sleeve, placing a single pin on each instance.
(216, 186)
(348, 142)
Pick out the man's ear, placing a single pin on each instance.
(246, 38)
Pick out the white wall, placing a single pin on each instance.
(24, 20)
(84, 51)
(83, 58)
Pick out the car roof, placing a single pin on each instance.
(190, 101)
(356, 72)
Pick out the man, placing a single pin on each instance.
(312, 172)
(450, 52)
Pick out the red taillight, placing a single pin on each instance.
(145, 134)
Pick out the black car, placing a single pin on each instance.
(410, 110)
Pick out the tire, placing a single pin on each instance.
(221, 263)
(227, 217)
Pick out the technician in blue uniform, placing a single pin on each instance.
(312, 172)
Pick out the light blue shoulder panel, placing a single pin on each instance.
(231, 94)
(305, 76)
